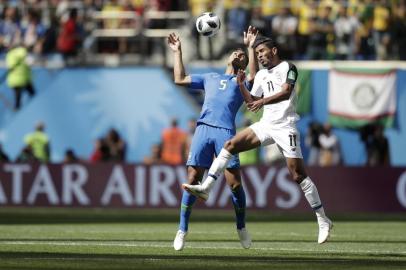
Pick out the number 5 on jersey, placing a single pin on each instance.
(223, 84)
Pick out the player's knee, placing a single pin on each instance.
(192, 179)
(234, 185)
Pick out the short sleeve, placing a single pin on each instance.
(291, 75)
(248, 85)
(257, 90)
(197, 81)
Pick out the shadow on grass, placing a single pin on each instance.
(23, 215)
(342, 257)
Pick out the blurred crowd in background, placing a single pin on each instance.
(304, 29)
(173, 148)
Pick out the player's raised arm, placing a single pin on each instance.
(178, 68)
(249, 39)
(248, 98)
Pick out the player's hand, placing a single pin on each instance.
(256, 105)
(240, 76)
(250, 36)
(174, 42)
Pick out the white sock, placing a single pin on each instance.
(217, 167)
(312, 196)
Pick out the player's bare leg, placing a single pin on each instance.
(243, 141)
(195, 174)
(297, 170)
(233, 179)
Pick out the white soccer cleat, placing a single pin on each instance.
(196, 190)
(245, 238)
(179, 242)
(325, 226)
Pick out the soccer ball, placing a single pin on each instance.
(208, 24)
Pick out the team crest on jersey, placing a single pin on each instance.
(278, 76)
(291, 75)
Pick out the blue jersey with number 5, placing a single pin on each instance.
(222, 99)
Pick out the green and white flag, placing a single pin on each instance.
(358, 97)
(304, 92)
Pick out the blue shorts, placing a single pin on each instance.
(207, 142)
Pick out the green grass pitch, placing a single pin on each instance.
(129, 239)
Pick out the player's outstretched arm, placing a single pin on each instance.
(249, 40)
(243, 89)
(179, 74)
(280, 96)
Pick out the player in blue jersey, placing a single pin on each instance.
(215, 126)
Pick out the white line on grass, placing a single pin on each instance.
(191, 245)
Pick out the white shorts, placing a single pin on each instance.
(286, 137)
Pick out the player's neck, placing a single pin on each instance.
(230, 70)
(274, 63)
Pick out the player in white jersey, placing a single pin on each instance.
(274, 90)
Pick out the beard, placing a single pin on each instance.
(236, 63)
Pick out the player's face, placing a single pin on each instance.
(264, 55)
(238, 59)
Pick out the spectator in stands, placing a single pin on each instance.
(70, 157)
(312, 142)
(345, 29)
(51, 36)
(329, 148)
(69, 36)
(320, 27)
(284, 26)
(155, 157)
(380, 28)
(270, 8)
(112, 6)
(365, 43)
(399, 31)
(33, 33)
(19, 77)
(101, 151)
(306, 14)
(116, 145)
(377, 147)
(3, 155)
(38, 142)
(259, 21)
(236, 21)
(173, 144)
(26, 155)
(10, 30)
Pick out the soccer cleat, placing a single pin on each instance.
(325, 226)
(196, 190)
(245, 238)
(179, 241)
